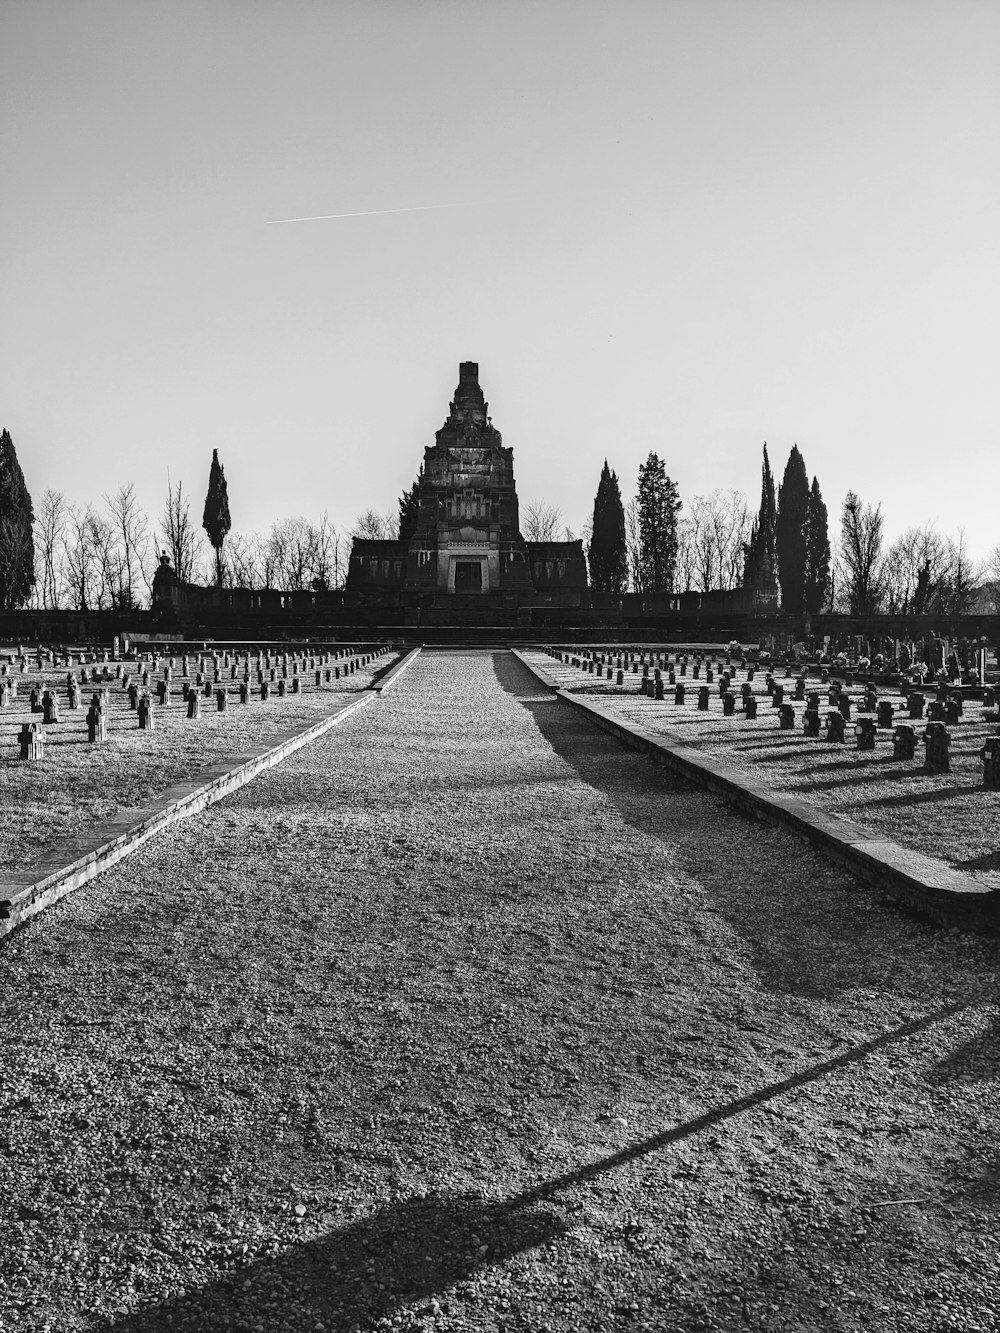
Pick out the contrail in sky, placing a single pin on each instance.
(371, 213)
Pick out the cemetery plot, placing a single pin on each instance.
(83, 736)
(920, 768)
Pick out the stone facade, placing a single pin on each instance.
(467, 542)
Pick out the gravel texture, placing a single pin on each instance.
(466, 1018)
(77, 784)
(948, 815)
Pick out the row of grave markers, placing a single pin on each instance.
(209, 681)
(946, 709)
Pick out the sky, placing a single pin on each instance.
(682, 226)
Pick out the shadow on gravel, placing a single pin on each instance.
(406, 1252)
(988, 861)
(974, 1059)
(797, 911)
(718, 1114)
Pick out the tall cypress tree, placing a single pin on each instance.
(607, 551)
(817, 561)
(17, 543)
(216, 520)
(409, 508)
(790, 533)
(758, 567)
(659, 502)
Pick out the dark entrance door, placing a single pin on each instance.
(468, 576)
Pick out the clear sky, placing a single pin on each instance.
(685, 227)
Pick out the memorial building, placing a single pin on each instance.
(466, 549)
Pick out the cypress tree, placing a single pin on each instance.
(790, 533)
(817, 561)
(216, 520)
(409, 508)
(658, 502)
(607, 551)
(758, 567)
(17, 543)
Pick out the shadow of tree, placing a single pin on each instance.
(979, 1057)
(416, 1249)
(405, 1252)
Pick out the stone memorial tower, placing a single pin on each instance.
(467, 546)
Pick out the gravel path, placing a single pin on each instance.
(466, 1018)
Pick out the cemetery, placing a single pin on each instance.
(500, 668)
(462, 991)
(917, 764)
(86, 731)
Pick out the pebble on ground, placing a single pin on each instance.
(464, 1017)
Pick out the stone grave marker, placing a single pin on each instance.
(864, 731)
(144, 711)
(31, 739)
(990, 755)
(936, 745)
(97, 722)
(904, 741)
(835, 728)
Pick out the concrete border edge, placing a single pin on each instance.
(927, 885)
(23, 898)
(395, 671)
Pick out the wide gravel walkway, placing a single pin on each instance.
(466, 1018)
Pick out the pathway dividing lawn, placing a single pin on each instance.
(466, 1018)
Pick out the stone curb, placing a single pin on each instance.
(395, 671)
(24, 896)
(926, 884)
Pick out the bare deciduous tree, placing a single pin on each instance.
(927, 573)
(241, 569)
(375, 526)
(79, 558)
(684, 573)
(326, 554)
(130, 533)
(181, 538)
(963, 575)
(711, 541)
(541, 523)
(292, 550)
(633, 544)
(50, 531)
(991, 575)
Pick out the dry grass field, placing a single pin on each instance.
(46, 802)
(949, 815)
